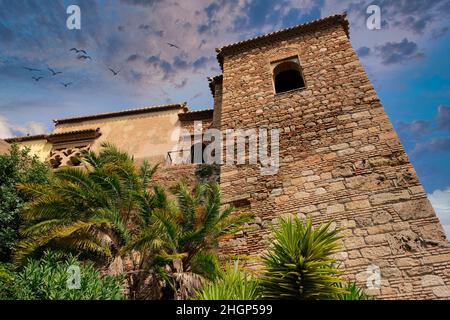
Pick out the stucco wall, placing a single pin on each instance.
(41, 148)
(4, 147)
(145, 136)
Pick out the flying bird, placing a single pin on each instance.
(78, 51)
(37, 79)
(114, 72)
(66, 84)
(172, 45)
(54, 73)
(84, 57)
(31, 69)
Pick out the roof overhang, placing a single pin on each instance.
(182, 106)
(197, 115)
(88, 134)
(26, 138)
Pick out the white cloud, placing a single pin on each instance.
(440, 199)
(9, 130)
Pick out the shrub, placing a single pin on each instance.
(299, 264)
(47, 279)
(15, 168)
(233, 284)
(353, 292)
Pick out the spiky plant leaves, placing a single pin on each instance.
(299, 264)
(147, 171)
(352, 292)
(191, 230)
(232, 284)
(206, 264)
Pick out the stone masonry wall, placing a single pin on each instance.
(340, 160)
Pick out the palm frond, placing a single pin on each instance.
(147, 171)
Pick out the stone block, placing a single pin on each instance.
(414, 209)
(375, 252)
(432, 281)
(389, 197)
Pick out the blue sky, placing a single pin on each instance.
(407, 60)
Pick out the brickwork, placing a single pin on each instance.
(340, 160)
(168, 176)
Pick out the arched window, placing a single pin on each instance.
(287, 75)
(197, 151)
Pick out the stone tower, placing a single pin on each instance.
(340, 158)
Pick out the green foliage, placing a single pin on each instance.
(232, 284)
(86, 209)
(6, 281)
(352, 292)
(184, 236)
(206, 263)
(15, 168)
(106, 208)
(299, 264)
(46, 279)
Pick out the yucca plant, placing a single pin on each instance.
(179, 240)
(85, 209)
(232, 284)
(299, 264)
(352, 292)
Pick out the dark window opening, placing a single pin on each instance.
(197, 153)
(287, 76)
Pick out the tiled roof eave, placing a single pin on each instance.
(74, 135)
(123, 113)
(206, 114)
(26, 138)
(70, 135)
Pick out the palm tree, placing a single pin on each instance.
(299, 265)
(180, 240)
(86, 209)
(106, 208)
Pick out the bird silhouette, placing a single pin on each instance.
(37, 79)
(66, 84)
(84, 57)
(78, 51)
(31, 69)
(54, 73)
(114, 72)
(173, 45)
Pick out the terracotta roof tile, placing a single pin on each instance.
(69, 135)
(26, 138)
(197, 115)
(122, 113)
